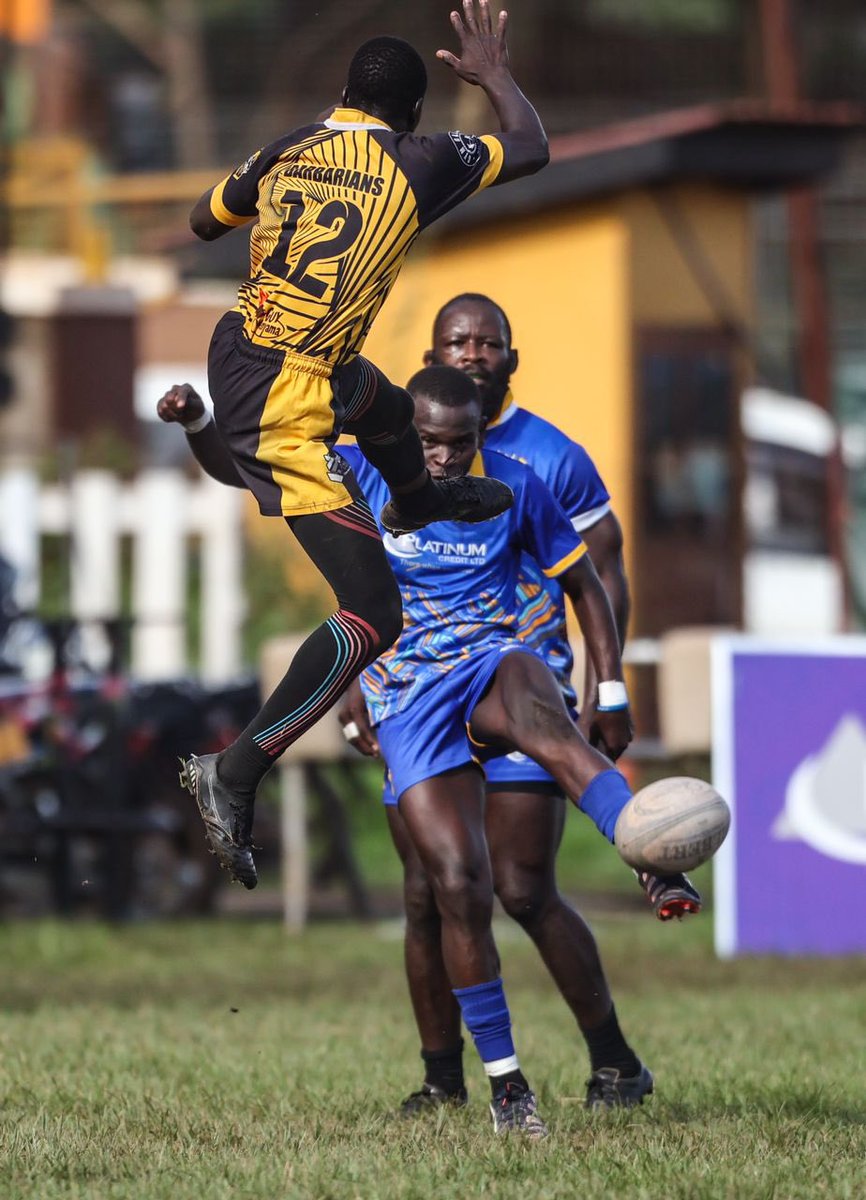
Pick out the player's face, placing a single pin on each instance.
(450, 436)
(473, 338)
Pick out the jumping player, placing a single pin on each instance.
(336, 206)
(525, 810)
(458, 684)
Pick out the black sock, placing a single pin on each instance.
(444, 1068)
(242, 770)
(498, 1082)
(608, 1047)
(423, 500)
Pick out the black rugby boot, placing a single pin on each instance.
(228, 819)
(470, 498)
(606, 1088)
(431, 1097)
(670, 895)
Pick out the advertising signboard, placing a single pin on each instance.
(789, 756)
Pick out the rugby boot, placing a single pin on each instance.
(431, 1097)
(606, 1088)
(228, 819)
(670, 895)
(514, 1110)
(470, 498)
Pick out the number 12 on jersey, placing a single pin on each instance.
(339, 218)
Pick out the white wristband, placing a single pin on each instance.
(198, 424)
(612, 695)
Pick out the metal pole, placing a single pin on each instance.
(813, 350)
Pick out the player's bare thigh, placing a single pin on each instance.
(524, 710)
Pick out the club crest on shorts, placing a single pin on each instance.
(467, 145)
(336, 466)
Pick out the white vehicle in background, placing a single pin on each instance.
(792, 584)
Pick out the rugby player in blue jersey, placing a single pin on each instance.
(458, 686)
(525, 812)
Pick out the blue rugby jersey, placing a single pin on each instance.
(458, 582)
(573, 479)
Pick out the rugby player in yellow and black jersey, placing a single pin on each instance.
(336, 206)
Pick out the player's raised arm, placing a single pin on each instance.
(483, 62)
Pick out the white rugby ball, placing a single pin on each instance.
(672, 825)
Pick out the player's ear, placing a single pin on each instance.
(415, 116)
(429, 358)
(344, 97)
(512, 361)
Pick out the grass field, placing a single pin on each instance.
(224, 1059)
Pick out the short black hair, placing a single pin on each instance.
(444, 385)
(471, 298)
(386, 73)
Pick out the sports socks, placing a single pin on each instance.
(486, 1016)
(604, 799)
(444, 1068)
(608, 1048)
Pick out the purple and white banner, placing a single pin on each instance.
(789, 756)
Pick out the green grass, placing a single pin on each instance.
(127, 1072)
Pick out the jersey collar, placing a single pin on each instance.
(353, 118)
(507, 411)
(477, 467)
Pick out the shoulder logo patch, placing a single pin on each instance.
(242, 170)
(467, 145)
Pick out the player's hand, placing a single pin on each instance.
(609, 732)
(180, 403)
(483, 50)
(355, 721)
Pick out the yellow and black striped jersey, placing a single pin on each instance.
(337, 205)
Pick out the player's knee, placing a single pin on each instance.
(388, 622)
(382, 609)
(525, 895)
(464, 894)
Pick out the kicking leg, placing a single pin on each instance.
(524, 708)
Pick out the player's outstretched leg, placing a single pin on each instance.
(379, 415)
(524, 709)
(348, 551)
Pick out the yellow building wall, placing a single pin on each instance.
(707, 230)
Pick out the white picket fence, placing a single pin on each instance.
(161, 510)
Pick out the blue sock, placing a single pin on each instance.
(604, 800)
(486, 1016)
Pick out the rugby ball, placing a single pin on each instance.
(672, 825)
